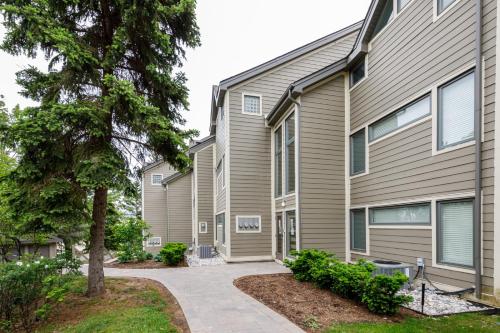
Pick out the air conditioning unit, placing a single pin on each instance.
(391, 267)
(205, 251)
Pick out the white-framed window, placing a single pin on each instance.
(153, 242)
(358, 230)
(402, 4)
(358, 152)
(411, 214)
(203, 227)
(400, 118)
(252, 104)
(385, 17)
(220, 233)
(220, 177)
(443, 5)
(221, 112)
(156, 179)
(455, 233)
(248, 224)
(358, 72)
(278, 162)
(455, 114)
(290, 153)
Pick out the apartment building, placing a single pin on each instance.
(375, 142)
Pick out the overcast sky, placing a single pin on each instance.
(236, 35)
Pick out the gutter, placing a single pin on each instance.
(297, 172)
(478, 148)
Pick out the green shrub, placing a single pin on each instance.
(29, 288)
(301, 266)
(349, 280)
(129, 236)
(380, 294)
(173, 253)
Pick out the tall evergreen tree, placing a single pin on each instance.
(112, 89)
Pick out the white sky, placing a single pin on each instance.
(236, 35)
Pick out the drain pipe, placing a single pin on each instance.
(297, 171)
(478, 147)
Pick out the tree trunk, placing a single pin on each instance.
(96, 253)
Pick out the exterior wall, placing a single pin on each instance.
(220, 150)
(154, 204)
(179, 218)
(322, 168)
(250, 163)
(204, 183)
(409, 58)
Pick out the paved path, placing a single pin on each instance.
(210, 301)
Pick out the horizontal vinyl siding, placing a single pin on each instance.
(205, 194)
(322, 196)
(250, 144)
(286, 202)
(179, 210)
(155, 204)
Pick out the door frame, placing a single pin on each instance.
(283, 213)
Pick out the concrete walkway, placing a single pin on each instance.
(210, 301)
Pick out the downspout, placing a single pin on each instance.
(478, 147)
(297, 172)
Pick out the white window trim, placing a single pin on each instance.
(367, 153)
(217, 176)
(243, 104)
(152, 177)
(363, 79)
(148, 244)
(412, 225)
(281, 123)
(200, 228)
(437, 16)
(216, 227)
(367, 231)
(238, 231)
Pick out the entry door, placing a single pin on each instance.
(291, 233)
(279, 236)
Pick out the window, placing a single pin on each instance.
(203, 227)
(455, 232)
(419, 214)
(290, 153)
(220, 176)
(248, 224)
(221, 111)
(400, 118)
(154, 241)
(402, 4)
(456, 111)
(358, 230)
(278, 163)
(442, 5)
(384, 18)
(358, 152)
(156, 179)
(251, 104)
(357, 72)
(220, 235)
(291, 233)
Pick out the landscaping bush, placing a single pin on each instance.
(129, 236)
(349, 280)
(304, 261)
(173, 253)
(380, 294)
(29, 288)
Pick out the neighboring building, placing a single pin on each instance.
(48, 249)
(376, 142)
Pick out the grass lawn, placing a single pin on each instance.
(465, 323)
(130, 305)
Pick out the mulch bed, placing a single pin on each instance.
(307, 306)
(148, 264)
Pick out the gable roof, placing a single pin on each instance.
(151, 165)
(172, 178)
(298, 87)
(202, 143)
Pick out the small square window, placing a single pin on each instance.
(249, 224)
(203, 228)
(154, 242)
(358, 72)
(156, 179)
(251, 104)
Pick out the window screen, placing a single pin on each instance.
(358, 152)
(278, 163)
(358, 230)
(456, 111)
(407, 214)
(455, 229)
(357, 73)
(290, 153)
(251, 104)
(248, 223)
(443, 4)
(156, 179)
(400, 118)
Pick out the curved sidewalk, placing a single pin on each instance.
(211, 302)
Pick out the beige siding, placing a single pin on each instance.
(250, 144)
(179, 213)
(204, 170)
(322, 168)
(155, 203)
(285, 202)
(407, 59)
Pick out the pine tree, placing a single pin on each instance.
(113, 89)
